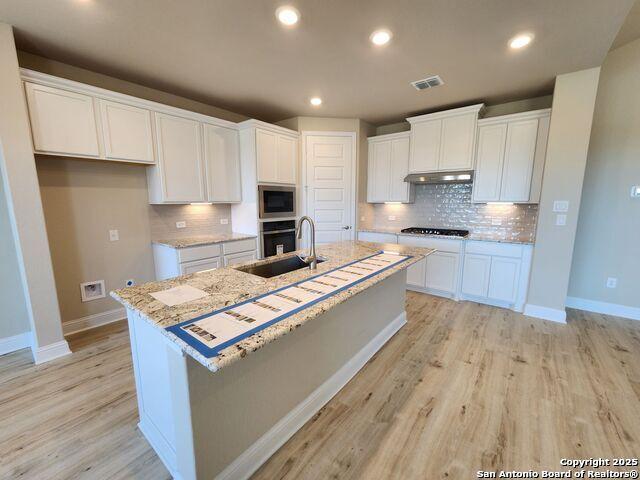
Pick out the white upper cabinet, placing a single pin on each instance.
(180, 162)
(443, 141)
(127, 132)
(510, 157)
(222, 163)
(274, 150)
(388, 166)
(62, 122)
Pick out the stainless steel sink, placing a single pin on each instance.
(273, 269)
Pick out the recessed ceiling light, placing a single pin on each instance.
(316, 101)
(380, 37)
(520, 41)
(288, 15)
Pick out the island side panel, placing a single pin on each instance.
(236, 406)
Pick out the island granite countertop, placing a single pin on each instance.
(229, 286)
(195, 241)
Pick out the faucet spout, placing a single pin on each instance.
(310, 259)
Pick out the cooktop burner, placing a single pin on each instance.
(436, 231)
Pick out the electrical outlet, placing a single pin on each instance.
(362, 219)
(561, 220)
(130, 283)
(224, 221)
(114, 235)
(392, 217)
(635, 191)
(612, 282)
(181, 224)
(561, 206)
(496, 221)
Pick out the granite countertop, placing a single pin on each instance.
(195, 241)
(482, 237)
(228, 286)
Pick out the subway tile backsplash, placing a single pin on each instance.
(200, 219)
(449, 206)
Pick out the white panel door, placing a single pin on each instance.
(267, 156)
(442, 271)
(518, 162)
(399, 189)
(425, 146)
(287, 159)
(475, 276)
(417, 274)
(127, 132)
(180, 159)
(222, 162)
(62, 122)
(503, 282)
(458, 135)
(378, 171)
(489, 162)
(330, 196)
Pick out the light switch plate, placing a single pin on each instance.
(224, 221)
(114, 235)
(561, 220)
(635, 191)
(561, 206)
(496, 221)
(181, 224)
(612, 282)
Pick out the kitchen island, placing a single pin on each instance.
(215, 408)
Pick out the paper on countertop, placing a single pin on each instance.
(178, 295)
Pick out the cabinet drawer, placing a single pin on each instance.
(377, 237)
(237, 258)
(199, 266)
(440, 244)
(198, 253)
(239, 246)
(494, 248)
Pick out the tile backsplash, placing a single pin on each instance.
(200, 220)
(450, 206)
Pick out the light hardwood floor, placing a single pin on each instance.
(462, 387)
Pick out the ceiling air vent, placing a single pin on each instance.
(430, 82)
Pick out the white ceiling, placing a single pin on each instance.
(235, 55)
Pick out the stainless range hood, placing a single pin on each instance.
(465, 176)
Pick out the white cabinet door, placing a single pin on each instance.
(425, 146)
(442, 271)
(267, 156)
(62, 122)
(127, 132)
(287, 159)
(222, 162)
(236, 258)
(518, 160)
(180, 159)
(475, 276)
(199, 266)
(379, 170)
(399, 189)
(489, 161)
(504, 279)
(456, 149)
(416, 274)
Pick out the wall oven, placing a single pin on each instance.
(278, 237)
(277, 202)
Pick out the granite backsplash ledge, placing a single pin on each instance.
(450, 206)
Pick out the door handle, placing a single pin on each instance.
(347, 227)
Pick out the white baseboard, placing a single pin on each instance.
(545, 313)
(614, 309)
(93, 321)
(51, 352)
(16, 342)
(258, 453)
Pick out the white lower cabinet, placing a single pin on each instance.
(171, 262)
(416, 274)
(475, 279)
(442, 272)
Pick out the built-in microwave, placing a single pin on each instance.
(276, 201)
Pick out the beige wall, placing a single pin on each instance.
(14, 316)
(608, 238)
(569, 132)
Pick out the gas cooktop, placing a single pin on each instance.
(436, 231)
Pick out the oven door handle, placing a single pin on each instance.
(279, 231)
